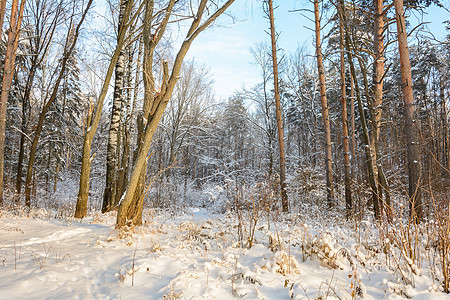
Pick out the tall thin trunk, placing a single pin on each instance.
(25, 112)
(284, 196)
(109, 194)
(445, 129)
(71, 40)
(324, 102)
(352, 121)
(8, 73)
(412, 144)
(346, 146)
(378, 74)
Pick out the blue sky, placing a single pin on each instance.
(225, 49)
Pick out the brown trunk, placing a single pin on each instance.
(352, 113)
(2, 15)
(324, 102)
(71, 40)
(412, 145)
(8, 73)
(284, 196)
(346, 146)
(446, 137)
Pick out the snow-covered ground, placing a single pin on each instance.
(197, 255)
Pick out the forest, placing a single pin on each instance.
(123, 175)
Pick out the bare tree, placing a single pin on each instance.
(45, 17)
(70, 43)
(94, 118)
(130, 212)
(273, 37)
(412, 143)
(325, 114)
(346, 144)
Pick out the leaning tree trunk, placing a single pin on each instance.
(8, 73)
(83, 192)
(109, 194)
(323, 98)
(130, 212)
(284, 196)
(71, 41)
(412, 142)
(346, 144)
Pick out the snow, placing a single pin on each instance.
(194, 255)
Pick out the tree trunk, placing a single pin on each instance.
(83, 192)
(25, 111)
(109, 195)
(378, 74)
(284, 196)
(8, 73)
(324, 102)
(71, 40)
(412, 145)
(346, 146)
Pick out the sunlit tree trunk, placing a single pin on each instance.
(376, 111)
(8, 73)
(284, 196)
(324, 102)
(412, 144)
(346, 144)
(2, 15)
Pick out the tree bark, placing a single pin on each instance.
(2, 15)
(8, 73)
(109, 194)
(412, 144)
(284, 196)
(325, 114)
(376, 111)
(346, 146)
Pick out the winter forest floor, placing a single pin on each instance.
(197, 254)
